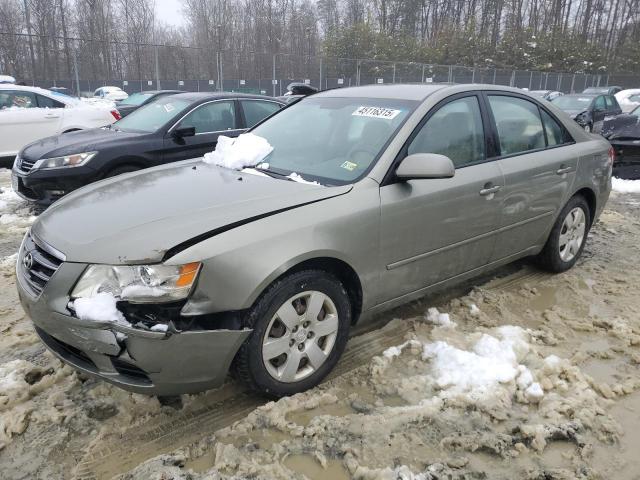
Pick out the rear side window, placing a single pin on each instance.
(46, 102)
(518, 123)
(211, 117)
(555, 133)
(256, 110)
(455, 130)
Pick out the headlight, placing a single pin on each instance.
(75, 160)
(138, 283)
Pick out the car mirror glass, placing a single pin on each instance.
(425, 165)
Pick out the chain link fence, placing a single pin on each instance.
(137, 67)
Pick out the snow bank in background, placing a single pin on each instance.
(9, 200)
(625, 186)
(297, 178)
(246, 150)
(100, 307)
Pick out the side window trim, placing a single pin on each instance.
(235, 123)
(569, 140)
(389, 177)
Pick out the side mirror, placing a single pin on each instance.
(425, 165)
(183, 132)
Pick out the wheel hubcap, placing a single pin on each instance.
(572, 234)
(300, 336)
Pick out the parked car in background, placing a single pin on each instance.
(110, 93)
(602, 90)
(7, 79)
(628, 99)
(172, 128)
(136, 100)
(623, 132)
(62, 90)
(417, 187)
(28, 114)
(546, 94)
(589, 110)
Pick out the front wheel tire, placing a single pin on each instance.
(300, 329)
(568, 236)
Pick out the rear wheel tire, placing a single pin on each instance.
(568, 236)
(300, 329)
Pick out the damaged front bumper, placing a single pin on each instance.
(138, 360)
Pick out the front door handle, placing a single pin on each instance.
(562, 170)
(52, 115)
(489, 190)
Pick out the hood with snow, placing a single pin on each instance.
(138, 217)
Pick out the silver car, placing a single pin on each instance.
(407, 189)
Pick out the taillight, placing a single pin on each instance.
(116, 114)
(612, 155)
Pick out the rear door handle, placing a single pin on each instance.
(562, 170)
(52, 115)
(489, 190)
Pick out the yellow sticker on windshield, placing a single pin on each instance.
(376, 112)
(349, 166)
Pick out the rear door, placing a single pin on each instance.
(435, 229)
(539, 161)
(22, 121)
(599, 112)
(210, 120)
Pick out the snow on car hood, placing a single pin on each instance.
(137, 217)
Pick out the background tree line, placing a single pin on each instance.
(112, 39)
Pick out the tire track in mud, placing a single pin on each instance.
(119, 455)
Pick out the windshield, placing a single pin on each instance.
(636, 111)
(151, 117)
(332, 140)
(136, 99)
(568, 102)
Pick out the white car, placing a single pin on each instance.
(111, 93)
(28, 114)
(628, 99)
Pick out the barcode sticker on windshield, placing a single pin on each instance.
(376, 112)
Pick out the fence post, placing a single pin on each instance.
(157, 69)
(573, 81)
(75, 67)
(273, 75)
(450, 74)
(221, 85)
(422, 73)
(320, 86)
(394, 74)
(473, 75)
(531, 79)
(357, 73)
(494, 76)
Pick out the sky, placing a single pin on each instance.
(170, 12)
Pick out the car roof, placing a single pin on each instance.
(412, 91)
(200, 96)
(153, 92)
(590, 95)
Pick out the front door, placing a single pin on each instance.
(435, 229)
(210, 120)
(539, 164)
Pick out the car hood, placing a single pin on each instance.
(138, 217)
(74, 142)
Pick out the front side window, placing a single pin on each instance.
(348, 136)
(455, 131)
(600, 104)
(149, 118)
(211, 117)
(17, 99)
(518, 124)
(256, 110)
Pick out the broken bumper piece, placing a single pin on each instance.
(142, 361)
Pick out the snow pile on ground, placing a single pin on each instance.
(440, 319)
(9, 201)
(100, 307)
(625, 186)
(247, 150)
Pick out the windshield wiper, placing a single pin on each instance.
(273, 173)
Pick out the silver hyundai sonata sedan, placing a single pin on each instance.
(161, 281)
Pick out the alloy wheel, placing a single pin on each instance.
(572, 234)
(300, 336)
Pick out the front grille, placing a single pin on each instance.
(37, 264)
(25, 165)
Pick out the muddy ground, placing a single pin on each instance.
(561, 399)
